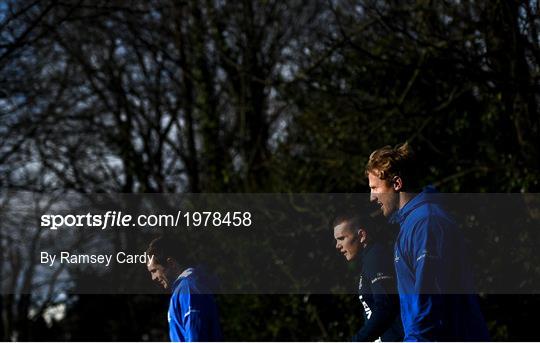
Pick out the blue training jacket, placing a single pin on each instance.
(193, 314)
(434, 277)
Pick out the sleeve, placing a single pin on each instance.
(385, 307)
(191, 315)
(426, 310)
(176, 331)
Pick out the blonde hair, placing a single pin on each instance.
(387, 163)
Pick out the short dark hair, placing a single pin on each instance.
(355, 220)
(162, 248)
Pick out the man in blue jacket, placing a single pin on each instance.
(434, 279)
(193, 314)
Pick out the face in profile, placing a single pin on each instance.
(347, 241)
(159, 273)
(383, 194)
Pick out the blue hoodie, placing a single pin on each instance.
(193, 314)
(434, 277)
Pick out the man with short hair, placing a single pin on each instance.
(434, 279)
(356, 239)
(193, 314)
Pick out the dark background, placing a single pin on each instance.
(258, 96)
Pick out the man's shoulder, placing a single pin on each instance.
(426, 213)
(197, 281)
(184, 281)
(426, 220)
(379, 259)
(378, 250)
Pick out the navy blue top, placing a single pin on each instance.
(378, 294)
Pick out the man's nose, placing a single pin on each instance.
(372, 197)
(338, 246)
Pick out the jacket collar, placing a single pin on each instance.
(399, 216)
(182, 276)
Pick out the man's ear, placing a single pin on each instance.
(397, 183)
(170, 262)
(362, 235)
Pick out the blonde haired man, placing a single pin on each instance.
(433, 275)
